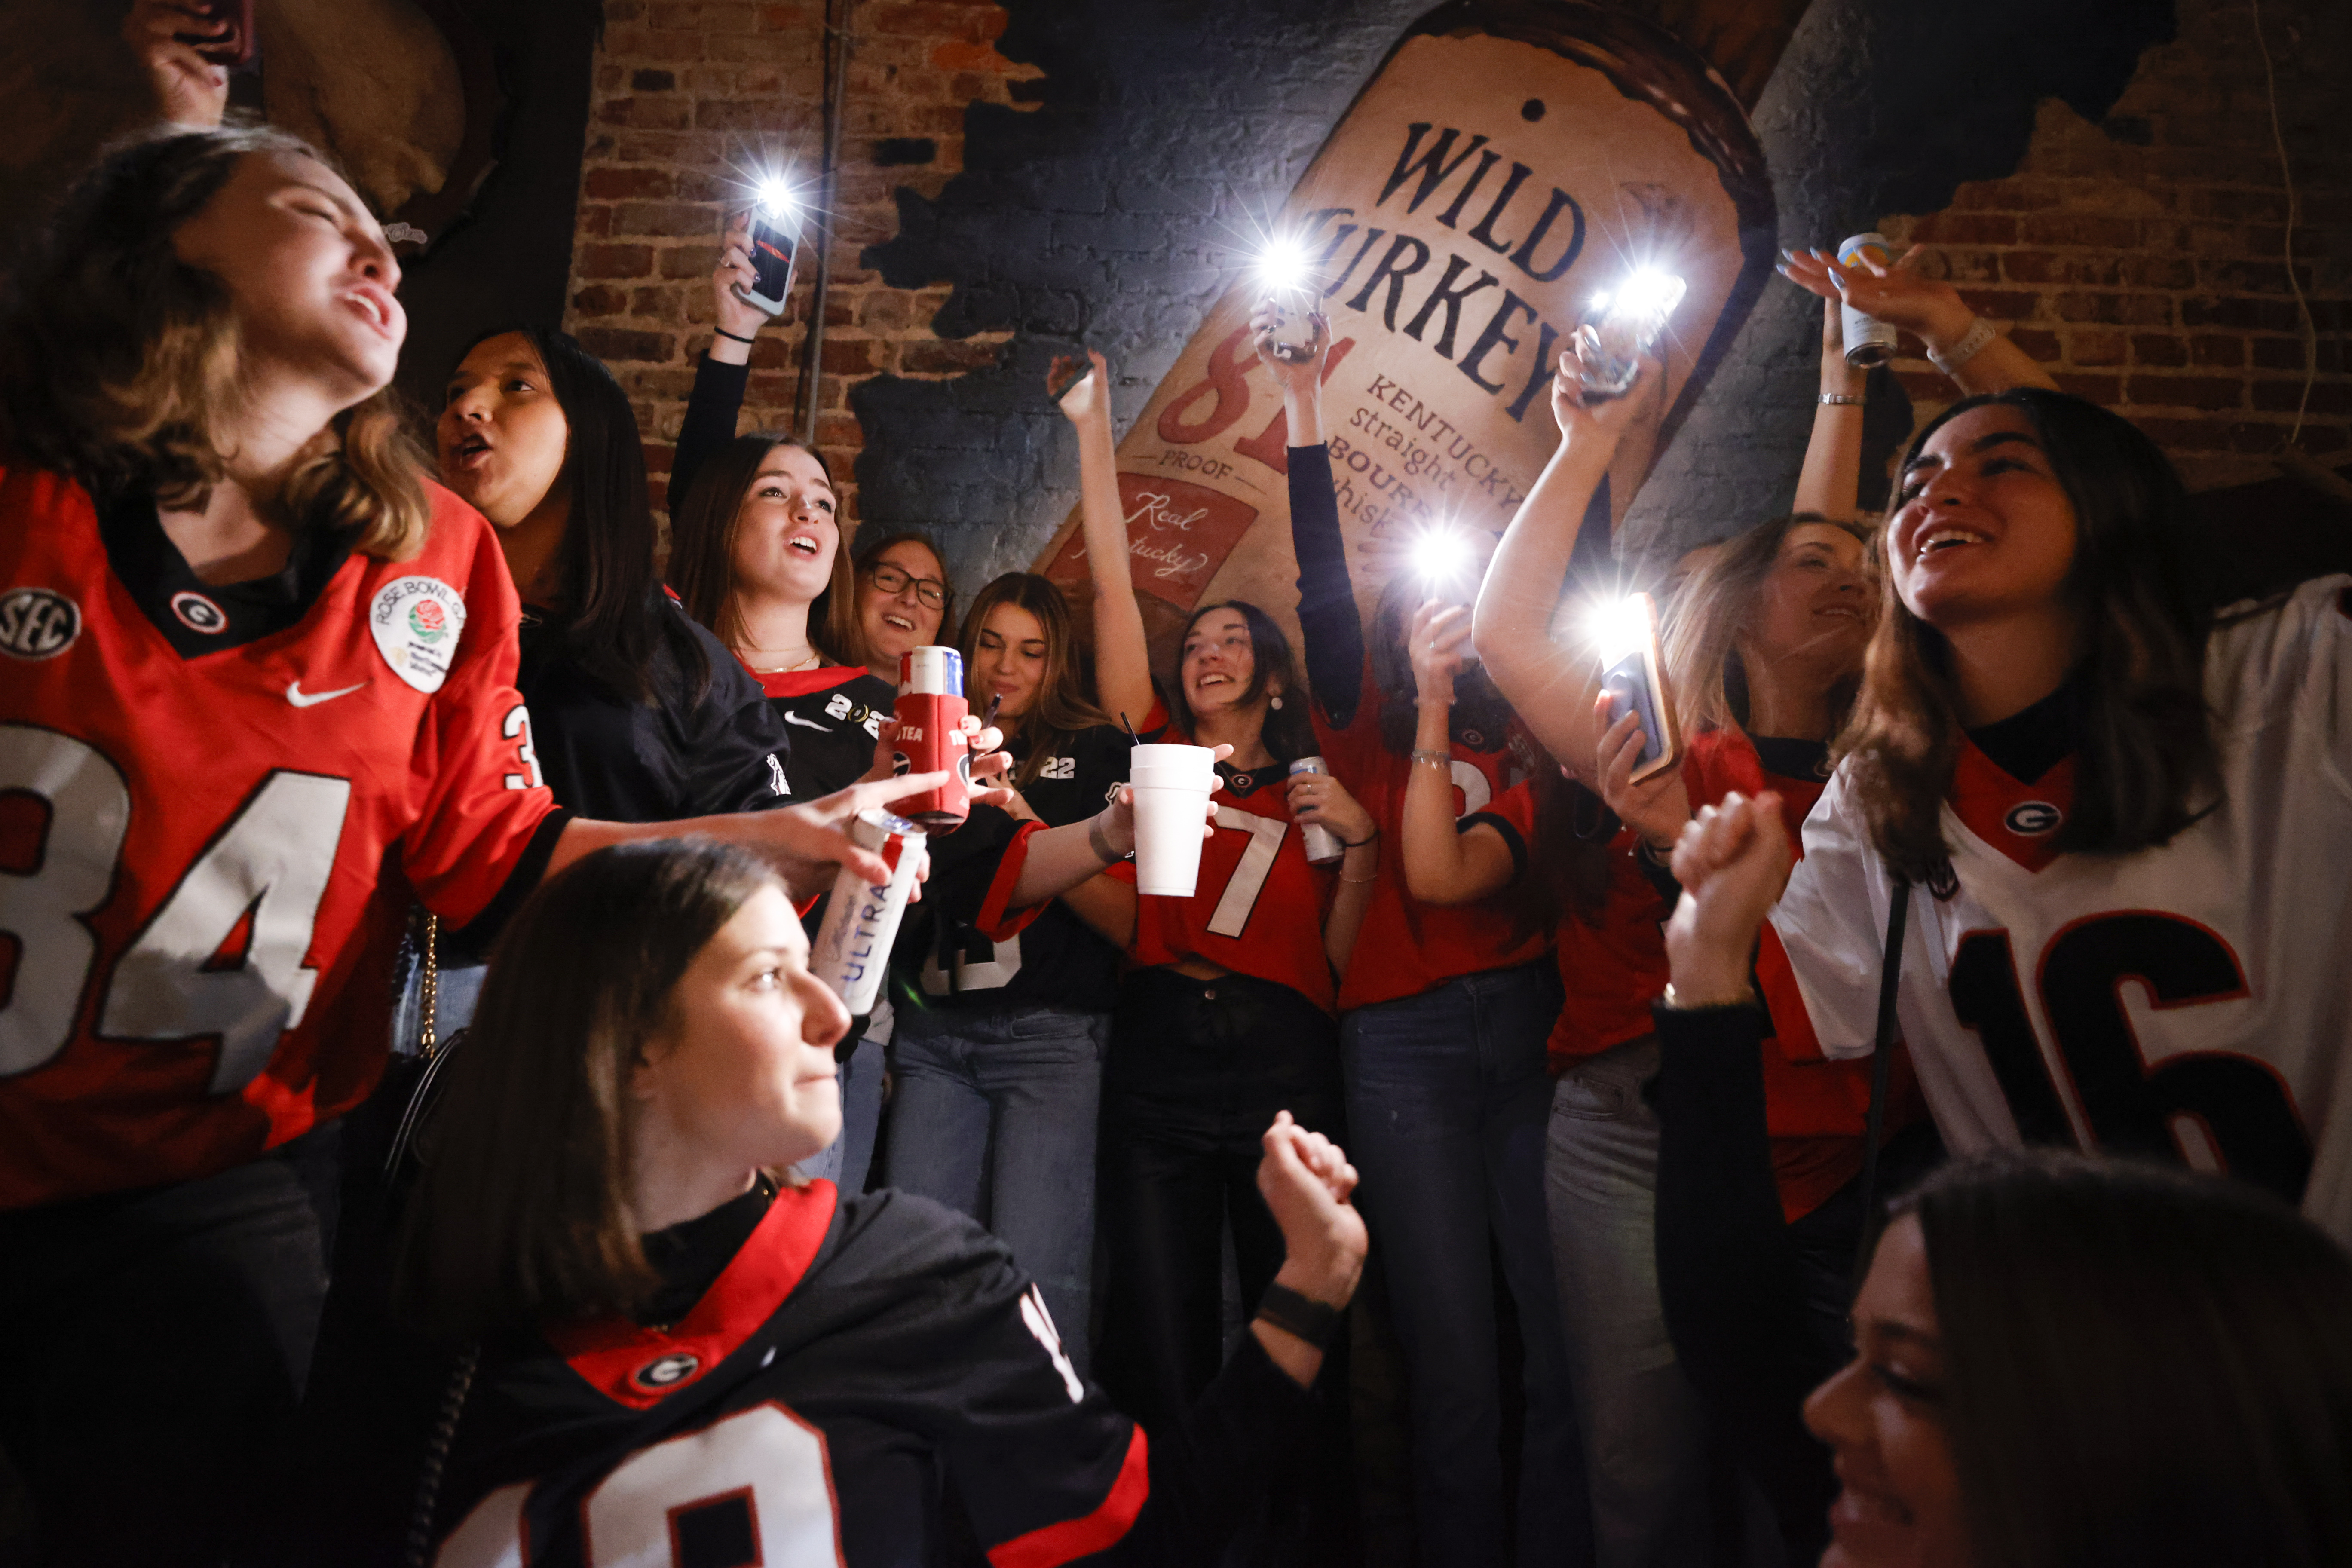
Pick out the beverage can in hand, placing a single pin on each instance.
(1869, 341)
(852, 951)
(1321, 843)
(930, 712)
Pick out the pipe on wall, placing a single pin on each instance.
(836, 83)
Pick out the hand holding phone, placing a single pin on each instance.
(1634, 680)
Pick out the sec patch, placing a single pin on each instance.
(37, 622)
(418, 622)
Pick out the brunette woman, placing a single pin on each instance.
(630, 1341)
(260, 699)
(1445, 1009)
(2057, 1360)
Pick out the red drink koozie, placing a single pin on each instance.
(932, 711)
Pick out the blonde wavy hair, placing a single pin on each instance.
(118, 361)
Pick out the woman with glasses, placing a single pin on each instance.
(904, 601)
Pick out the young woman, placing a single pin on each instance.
(260, 699)
(2085, 785)
(638, 712)
(904, 601)
(2056, 1361)
(632, 1341)
(1445, 1009)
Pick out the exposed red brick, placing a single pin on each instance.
(626, 184)
(2101, 388)
(2187, 391)
(1965, 228)
(615, 261)
(619, 343)
(2157, 348)
(2087, 347)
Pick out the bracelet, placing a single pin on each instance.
(1434, 759)
(1359, 881)
(1746, 998)
(1971, 343)
(1316, 1323)
(730, 337)
(1360, 843)
(1844, 399)
(1099, 842)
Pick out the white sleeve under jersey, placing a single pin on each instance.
(2191, 1003)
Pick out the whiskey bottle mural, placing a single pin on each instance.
(1508, 160)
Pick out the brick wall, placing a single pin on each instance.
(2143, 257)
(687, 96)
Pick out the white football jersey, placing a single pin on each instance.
(2191, 1002)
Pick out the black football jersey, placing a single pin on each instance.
(851, 1362)
(960, 949)
(834, 716)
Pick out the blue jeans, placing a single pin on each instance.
(845, 1161)
(994, 1116)
(1447, 1098)
(1645, 1431)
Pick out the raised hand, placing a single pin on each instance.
(1307, 1182)
(1732, 862)
(1437, 639)
(1087, 399)
(1604, 418)
(1300, 377)
(1898, 294)
(729, 311)
(171, 37)
(1321, 801)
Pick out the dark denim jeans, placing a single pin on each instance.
(994, 1116)
(1447, 1103)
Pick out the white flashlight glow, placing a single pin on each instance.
(1649, 295)
(1619, 626)
(776, 200)
(1442, 555)
(1283, 266)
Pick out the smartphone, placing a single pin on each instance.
(771, 264)
(236, 50)
(1294, 330)
(1067, 372)
(1638, 681)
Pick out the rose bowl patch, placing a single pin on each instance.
(416, 622)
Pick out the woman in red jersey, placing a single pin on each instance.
(260, 696)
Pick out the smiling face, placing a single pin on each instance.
(1008, 659)
(503, 437)
(1218, 663)
(1882, 1418)
(1982, 529)
(785, 532)
(307, 271)
(741, 1070)
(1816, 604)
(894, 622)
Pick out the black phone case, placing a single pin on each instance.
(772, 260)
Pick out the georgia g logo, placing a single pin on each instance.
(2033, 819)
(37, 622)
(665, 1372)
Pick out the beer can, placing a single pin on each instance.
(930, 711)
(852, 951)
(1321, 843)
(1868, 341)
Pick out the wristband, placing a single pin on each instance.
(1971, 343)
(1675, 1003)
(1434, 759)
(1844, 399)
(1360, 843)
(1316, 1323)
(730, 337)
(1099, 842)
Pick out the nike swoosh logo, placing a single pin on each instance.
(807, 723)
(301, 698)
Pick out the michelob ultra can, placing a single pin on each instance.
(1868, 341)
(1321, 843)
(931, 710)
(852, 951)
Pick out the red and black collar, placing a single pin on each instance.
(198, 617)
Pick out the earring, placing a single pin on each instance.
(1276, 704)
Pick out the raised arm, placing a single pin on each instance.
(1122, 662)
(1443, 864)
(724, 372)
(1331, 632)
(1831, 482)
(1552, 687)
(1928, 309)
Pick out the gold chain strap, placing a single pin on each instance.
(427, 1041)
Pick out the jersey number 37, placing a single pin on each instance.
(222, 954)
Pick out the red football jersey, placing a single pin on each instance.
(1612, 971)
(1407, 947)
(215, 805)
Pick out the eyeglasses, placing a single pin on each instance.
(893, 582)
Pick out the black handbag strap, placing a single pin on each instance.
(1881, 1055)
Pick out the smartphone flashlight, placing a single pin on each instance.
(1634, 675)
(1624, 325)
(1442, 559)
(1287, 276)
(775, 223)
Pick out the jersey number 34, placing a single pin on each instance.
(222, 954)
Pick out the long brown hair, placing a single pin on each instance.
(119, 361)
(702, 550)
(2146, 751)
(1061, 709)
(867, 554)
(1287, 734)
(521, 1213)
(1709, 611)
(2144, 1368)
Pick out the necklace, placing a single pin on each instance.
(809, 659)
